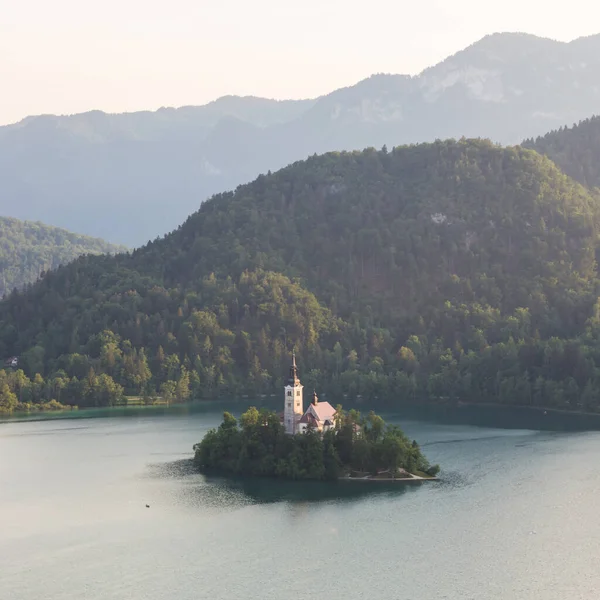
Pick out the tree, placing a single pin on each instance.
(249, 419)
(168, 390)
(182, 389)
(110, 353)
(59, 383)
(373, 427)
(106, 391)
(8, 400)
(37, 388)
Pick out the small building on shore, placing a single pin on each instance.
(318, 415)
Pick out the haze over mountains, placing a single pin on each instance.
(130, 177)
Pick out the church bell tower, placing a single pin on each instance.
(293, 404)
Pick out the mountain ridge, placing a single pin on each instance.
(140, 174)
(238, 98)
(576, 150)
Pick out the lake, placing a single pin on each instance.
(514, 517)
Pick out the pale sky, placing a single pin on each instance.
(68, 56)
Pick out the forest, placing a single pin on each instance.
(358, 445)
(29, 249)
(575, 150)
(21, 394)
(451, 271)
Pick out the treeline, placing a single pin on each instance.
(236, 345)
(452, 271)
(29, 249)
(226, 338)
(574, 149)
(258, 445)
(58, 392)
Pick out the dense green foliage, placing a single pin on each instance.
(19, 392)
(28, 249)
(454, 270)
(575, 150)
(260, 446)
(216, 338)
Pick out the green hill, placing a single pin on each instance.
(28, 249)
(457, 270)
(575, 150)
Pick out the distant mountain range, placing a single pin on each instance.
(131, 177)
(27, 249)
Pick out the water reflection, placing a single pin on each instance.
(266, 491)
(231, 492)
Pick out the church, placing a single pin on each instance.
(319, 415)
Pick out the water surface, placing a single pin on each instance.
(515, 516)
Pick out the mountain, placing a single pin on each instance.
(459, 270)
(128, 178)
(125, 177)
(28, 249)
(575, 150)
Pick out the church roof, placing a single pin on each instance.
(323, 410)
(307, 417)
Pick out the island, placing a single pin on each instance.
(321, 443)
(356, 447)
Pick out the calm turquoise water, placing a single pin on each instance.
(514, 517)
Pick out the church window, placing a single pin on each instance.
(289, 405)
(297, 392)
(289, 393)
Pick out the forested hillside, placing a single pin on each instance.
(458, 270)
(130, 177)
(28, 249)
(575, 150)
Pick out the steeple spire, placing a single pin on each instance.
(294, 379)
(315, 398)
(293, 403)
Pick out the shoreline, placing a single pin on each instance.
(95, 412)
(248, 477)
(389, 479)
(540, 409)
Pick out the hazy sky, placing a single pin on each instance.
(66, 56)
